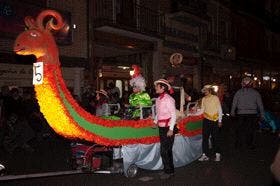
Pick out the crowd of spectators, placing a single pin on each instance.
(21, 122)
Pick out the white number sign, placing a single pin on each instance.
(38, 73)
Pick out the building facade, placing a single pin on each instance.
(219, 42)
(256, 38)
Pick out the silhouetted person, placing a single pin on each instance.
(248, 107)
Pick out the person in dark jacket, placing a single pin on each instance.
(248, 107)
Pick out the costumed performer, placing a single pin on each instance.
(139, 96)
(165, 120)
(212, 112)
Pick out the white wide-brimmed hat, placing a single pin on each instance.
(102, 92)
(206, 87)
(164, 81)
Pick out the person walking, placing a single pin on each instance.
(247, 106)
(212, 112)
(165, 120)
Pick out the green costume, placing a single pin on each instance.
(137, 99)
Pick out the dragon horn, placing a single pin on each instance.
(50, 24)
(29, 22)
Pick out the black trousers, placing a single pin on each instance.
(210, 128)
(166, 144)
(246, 130)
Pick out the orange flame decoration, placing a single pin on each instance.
(59, 108)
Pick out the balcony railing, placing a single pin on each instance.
(214, 42)
(198, 7)
(126, 15)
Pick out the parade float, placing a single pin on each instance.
(139, 141)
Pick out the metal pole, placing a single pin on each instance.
(39, 175)
(91, 62)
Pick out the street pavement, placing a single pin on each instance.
(242, 167)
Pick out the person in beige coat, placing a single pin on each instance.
(275, 167)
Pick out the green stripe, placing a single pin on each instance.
(193, 125)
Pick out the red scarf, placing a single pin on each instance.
(162, 95)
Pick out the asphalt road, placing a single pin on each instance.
(238, 167)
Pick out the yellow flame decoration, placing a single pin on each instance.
(53, 110)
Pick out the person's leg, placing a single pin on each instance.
(206, 124)
(215, 133)
(170, 165)
(164, 145)
(216, 137)
(251, 129)
(239, 131)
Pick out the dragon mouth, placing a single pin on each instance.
(17, 50)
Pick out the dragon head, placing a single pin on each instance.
(38, 39)
(31, 42)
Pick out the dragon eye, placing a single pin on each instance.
(33, 34)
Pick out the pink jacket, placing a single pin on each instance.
(165, 109)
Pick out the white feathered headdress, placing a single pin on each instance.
(137, 79)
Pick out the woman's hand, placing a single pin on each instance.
(126, 105)
(170, 133)
(154, 125)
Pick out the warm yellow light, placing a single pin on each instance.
(123, 67)
(100, 74)
(216, 88)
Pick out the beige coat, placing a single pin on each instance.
(275, 166)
